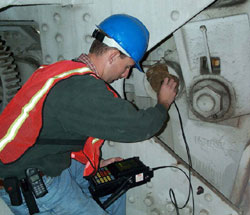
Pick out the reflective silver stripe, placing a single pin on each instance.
(95, 140)
(16, 125)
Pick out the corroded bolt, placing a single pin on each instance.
(200, 190)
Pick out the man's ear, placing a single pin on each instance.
(113, 55)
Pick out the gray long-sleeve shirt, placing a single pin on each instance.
(76, 108)
(82, 106)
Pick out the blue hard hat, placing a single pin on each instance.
(129, 32)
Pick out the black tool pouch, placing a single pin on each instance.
(11, 186)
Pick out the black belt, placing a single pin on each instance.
(1, 180)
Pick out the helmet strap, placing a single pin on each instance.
(100, 36)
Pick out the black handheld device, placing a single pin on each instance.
(11, 186)
(117, 178)
(36, 182)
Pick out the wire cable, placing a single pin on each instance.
(171, 192)
(190, 191)
(189, 162)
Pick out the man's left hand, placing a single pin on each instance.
(109, 161)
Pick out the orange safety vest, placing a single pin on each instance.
(21, 120)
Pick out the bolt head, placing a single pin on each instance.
(207, 101)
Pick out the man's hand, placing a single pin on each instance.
(167, 92)
(109, 161)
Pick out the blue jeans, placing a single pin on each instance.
(68, 194)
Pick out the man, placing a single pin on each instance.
(59, 119)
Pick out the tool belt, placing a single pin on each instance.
(14, 187)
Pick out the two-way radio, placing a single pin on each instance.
(36, 182)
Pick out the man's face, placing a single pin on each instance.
(119, 67)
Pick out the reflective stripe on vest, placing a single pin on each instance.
(16, 125)
(21, 120)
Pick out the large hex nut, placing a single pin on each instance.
(207, 101)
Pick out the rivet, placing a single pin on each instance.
(187, 210)
(60, 57)
(175, 14)
(208, 197)
(59, 38)
(131, 199)
(86, 17)
(88, 39)
(111, 143)
(48, 59)
(148, 201)
(45, 27)
(204, 212)
(155, 211)
(170, 207)
(160, 51)
(57, 17)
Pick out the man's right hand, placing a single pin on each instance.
(167, 92)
